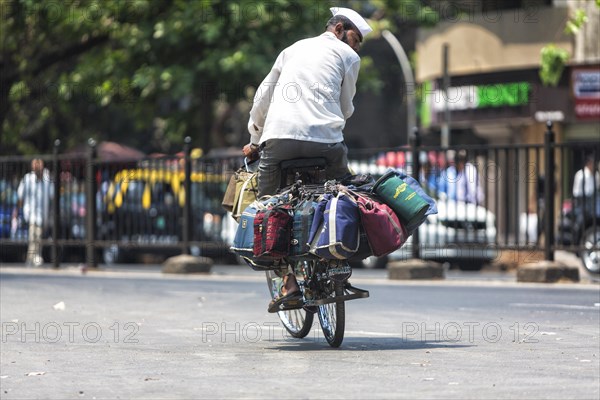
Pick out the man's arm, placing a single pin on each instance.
(262, 101)
(348, 89)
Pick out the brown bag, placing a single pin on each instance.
(241, 190)
(229, 197)
(246, 192)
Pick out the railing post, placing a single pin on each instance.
(187, 207)
(55, 206)
(415, 142)
(90, 196)
(549, 192)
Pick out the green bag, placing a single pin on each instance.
(410, 207)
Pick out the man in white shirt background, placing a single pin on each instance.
(587, 180)
(302, 105)
(460, 181)
(35, 193)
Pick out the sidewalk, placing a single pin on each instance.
(489, 274)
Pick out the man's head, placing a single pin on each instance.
(461, 160)
(37, 166)
(589, 162)
(348, 26)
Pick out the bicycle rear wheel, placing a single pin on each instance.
(297, 322)
(332, 316)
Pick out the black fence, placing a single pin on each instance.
(490, 199)
(111, 209)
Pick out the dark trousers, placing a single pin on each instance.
(274, 151)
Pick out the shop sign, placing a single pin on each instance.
(481, 96)
(586, 92)
(555, 116)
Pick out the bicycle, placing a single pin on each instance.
(323, 283)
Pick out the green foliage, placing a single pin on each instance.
(149, 72)
(576, 22)
(553, 63)
(554, 59)
(144, 72)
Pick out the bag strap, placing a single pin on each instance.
(264, 229)
(305, 217)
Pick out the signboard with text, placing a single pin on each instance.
(585, 83)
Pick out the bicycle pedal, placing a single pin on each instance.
(291, 305)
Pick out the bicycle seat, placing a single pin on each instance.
(309, 170)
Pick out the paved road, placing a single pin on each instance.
(144, 335)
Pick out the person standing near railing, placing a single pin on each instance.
(587, 180)
(461, 181)
(35, 193)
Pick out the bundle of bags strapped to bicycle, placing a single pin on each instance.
(312, 231)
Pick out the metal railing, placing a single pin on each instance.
(167, 204)
(514, 197)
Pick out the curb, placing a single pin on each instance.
(187, 264)
(548, 272)
(415, 269)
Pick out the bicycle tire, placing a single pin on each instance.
(332, 317)
(297, 322)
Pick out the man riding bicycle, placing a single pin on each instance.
(302, 105)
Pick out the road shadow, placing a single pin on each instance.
(361, 343)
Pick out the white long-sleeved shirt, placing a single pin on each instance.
(36, 195)
(463, 185)
(308, 93)
(584, 181)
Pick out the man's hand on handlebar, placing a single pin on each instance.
(251, 151)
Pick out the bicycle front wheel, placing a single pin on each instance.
(297, 322)
(332, 316)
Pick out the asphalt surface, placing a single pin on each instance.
(132, 332)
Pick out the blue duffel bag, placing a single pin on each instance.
(338, 221)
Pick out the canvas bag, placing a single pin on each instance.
(229, 197)
(410, 206)
(304, 214)
(364, 248)
(337, 235)
(272, 232)
(243, 242)
(382, 227)
(246, 189)
(414, 184)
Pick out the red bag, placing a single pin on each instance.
(273, 232)
(384, 231)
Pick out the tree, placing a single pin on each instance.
(149, 72)
(128, 69)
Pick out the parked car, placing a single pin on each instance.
(460, 233)
(579, 226)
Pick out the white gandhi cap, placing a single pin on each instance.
(353, 16)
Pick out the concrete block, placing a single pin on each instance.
(510, 260)
(547, 272)
(187, 264)
(415, 269)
